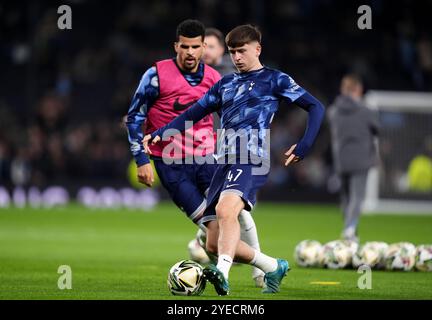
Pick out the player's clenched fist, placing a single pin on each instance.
(146, 141)
(145, 174)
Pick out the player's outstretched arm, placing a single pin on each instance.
(203, 107)
(316, 115)
(179, 124)
(289, 90)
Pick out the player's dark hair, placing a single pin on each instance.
(209, 32)
(241, 35)
(190, 29)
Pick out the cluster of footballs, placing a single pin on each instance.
(339, 254)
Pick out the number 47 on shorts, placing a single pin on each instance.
(231, 175)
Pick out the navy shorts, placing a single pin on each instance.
(233, 178)
(187, 185)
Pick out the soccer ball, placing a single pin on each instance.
(424, 258)
(338, 254)
(352, 246)
(186, 278)
(371, 254)
(400, 256)
(307, 253)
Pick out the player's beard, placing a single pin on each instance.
(190, 65)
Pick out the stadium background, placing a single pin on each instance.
(63, 98)
(64, 93)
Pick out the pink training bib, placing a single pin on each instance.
(176, 95)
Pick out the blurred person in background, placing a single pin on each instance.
(214, 54)
(353, 129)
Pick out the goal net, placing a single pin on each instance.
(402, 182)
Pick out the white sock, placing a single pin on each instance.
(248, 230)
(224, 264)
(264, 262)
(248, 233)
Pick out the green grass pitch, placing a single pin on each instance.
(126, 254)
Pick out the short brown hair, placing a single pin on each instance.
(213, 32)
(241, 35)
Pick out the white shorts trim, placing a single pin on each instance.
(198, 212)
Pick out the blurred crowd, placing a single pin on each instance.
(64, 93)
(48, 148)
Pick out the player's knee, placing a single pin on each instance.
(223, 212)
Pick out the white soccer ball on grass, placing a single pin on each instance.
(424, 258)
(371, 254)
(400, 256)
(307, 253)
(338, 254)
(186, 278)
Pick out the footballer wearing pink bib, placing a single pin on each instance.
(176, 94)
